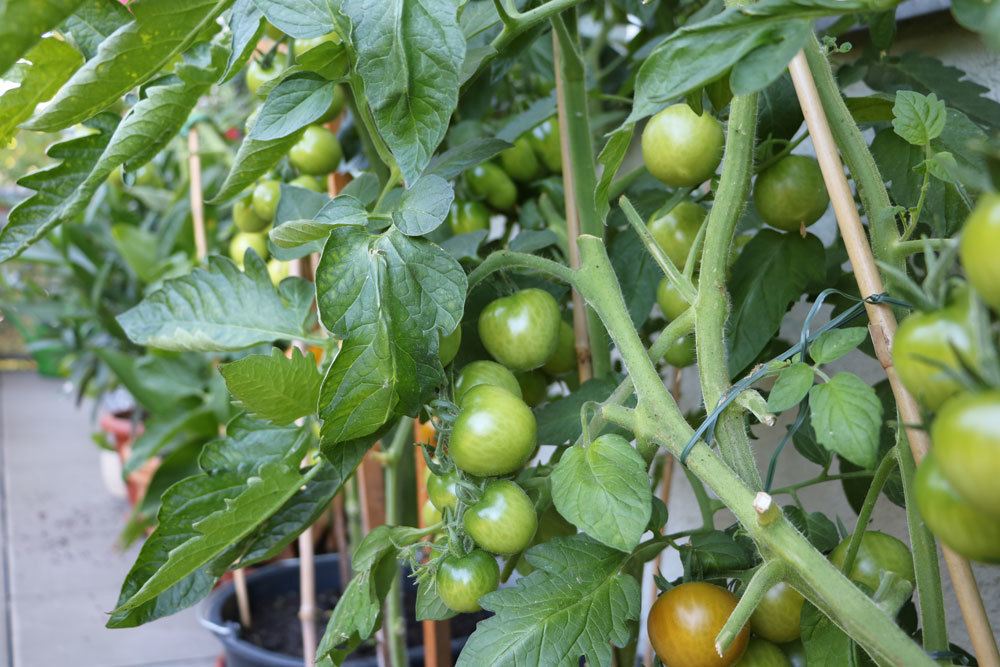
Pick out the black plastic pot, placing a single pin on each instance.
(220, 614)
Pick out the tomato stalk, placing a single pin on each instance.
(882, 473)
(767, 575)
(395, 621)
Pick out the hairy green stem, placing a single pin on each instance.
(395, 623)
(506, 259)
(712, 304)
(867, 507)
(659, 419)
(766, 576)
(670, 270)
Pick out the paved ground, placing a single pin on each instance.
(60, 568)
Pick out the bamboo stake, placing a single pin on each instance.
(197, 203)
(242, 597)
(882, 327)
(583, 358)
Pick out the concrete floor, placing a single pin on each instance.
(61, 570)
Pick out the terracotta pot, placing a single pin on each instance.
(120, 427)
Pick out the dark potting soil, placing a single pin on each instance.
(276, 624)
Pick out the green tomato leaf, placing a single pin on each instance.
(577, 602)
(537, 112)
(918, 118)
(773, 270)
(253, 159)
(790, 388)
(129, 57)
(806, 444)
(468, 154)
(602, 489)
(816, 526)
(638, 274)
(835, 343)
(944, 167)
(610, 159)
(298, 238)
(246, 26)
(274, 387)
(51, 62)
(533, 240)
(424, 205)
(559, 421)
(826, 644)
(157, 384)
(846, 416)
(980, 17)
(409, 55)
(22, 24)
(301, 19)
(161, 432)
(297, 101)
(390, 296)
(197, 311)
(465, 246)
(710, 553)
(430, 607)
(92, 22)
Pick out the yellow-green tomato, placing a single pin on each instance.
(547, 144)
(762, 653)
(307, 182)
(442, 490)
(429, 514)
(494, 434)
(243, 241)
(309, 43)
(563, 360)
(790, 194)
(980, 248)
(503, 520)
(448, 347)
(336, 104)
(670, 300)
(681, 148)
(485, 372)
(777, 616)
(966, 437)
(245, 218)
(277, 270)
(681, 352)
(521, 331)
(257, 75)
(465, 217)
(676, 230)
(492, 183)
(316, 152)
(266, 195)
(879, 553)
(520, 161)
(462, 580)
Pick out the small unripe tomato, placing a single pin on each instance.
(684, 621)
(462, 580)
(563, 360)
(494, 434)
(448, 346)
(336, 105)
(317, 152)
(442, 490)
(681, 148)
(520, 161)
(670, 300)
(546, 142)
(966, 437)
(777, 616)
(980, 246)
(257, 75)
(762, 653)
(485, 372)
(492, 183)
(681, 352)
(521, 331)
(245, 218)
(266, 195)
(676, 230)
(242, 241)
(303, 45)
(307, 182)
(468, 216)
(277, 270)
(791, 193)
(503, 520)
(429, 515)
(879, 553)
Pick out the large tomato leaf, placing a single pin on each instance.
(389, 297)
(128, 57)
(50, 64)
(274, 387)
(300, 18)
(93, 22)
(22, 24)
(409, 55)
(577, 602)
(847, 416)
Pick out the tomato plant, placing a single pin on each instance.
(463, 217)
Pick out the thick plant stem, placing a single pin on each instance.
(766, 576)
(659, 419)
(882, 327)
(580, 184)
(395, 620)
(712, 305)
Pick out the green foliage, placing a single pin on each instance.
(51, 62)
(23, 24)
(275, 388)
(846, 416)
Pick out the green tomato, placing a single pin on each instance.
(966, 437)
(336, 105)
(448, 346)
(534, 387)
(244, 217)
(485, 372)
(681, 148)
(776, 618)
(676, 230)
(494, 434)
(878, 553)
(492, 183)
(980, 247)
(521, 331)
(316, 152)
(670, 300)
(243, 241)
(266, 195)
(442, 490)
(762, 653)
(309, 43)
(929, 345)
(468, 216)
(547, 144)
(307, 182)
(520, 161)
(681, 352)
(563, 360)
(277, 270)
(429, 514)
(333, 56)
(503, 521)
(257, 75)
(953, 519)
(462, 580)
(791, 193)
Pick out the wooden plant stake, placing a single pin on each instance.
(882, 327)
(437, 634)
